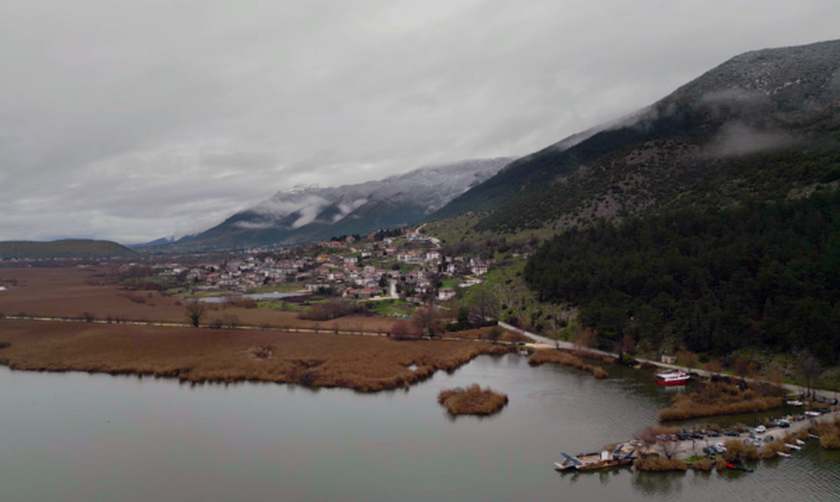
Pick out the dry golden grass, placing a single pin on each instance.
(481, 334)
(719, 398)
(364, 363)
(829, 433)
(472, 400)
(737, 450)
(565, 359)
(769, 450)
(660, 464)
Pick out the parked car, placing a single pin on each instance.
(713, 434)
(760, 429)
(719, 448)
(683, 436)
(733, 434)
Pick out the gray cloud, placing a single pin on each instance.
(134, 120)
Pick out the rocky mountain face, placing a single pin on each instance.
(764, 124)
(308, 213)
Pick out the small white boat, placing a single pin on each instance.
(794, 402)
(794, 447)
(783, 454)
(813, 436)
(800, 442)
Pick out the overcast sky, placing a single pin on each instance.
(133, 120)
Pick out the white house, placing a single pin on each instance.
(446, 293)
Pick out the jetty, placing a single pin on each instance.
(623, 454)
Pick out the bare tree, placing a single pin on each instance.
(194, 312)
(426, 318)
(669, 448)
(646, 436)
(809, 367)
(484, 304)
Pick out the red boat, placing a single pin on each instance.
(675, 377)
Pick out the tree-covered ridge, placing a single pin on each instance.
(759, 274)
(68, 248)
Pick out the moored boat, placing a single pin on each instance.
(675, 377)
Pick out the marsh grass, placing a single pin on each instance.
(659, 464)
(472, 401)
(829, 433)
(721, 398)
(703, 464)
(564, 358)
(363, 363)
(737, 450)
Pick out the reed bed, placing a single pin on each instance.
(770, 449)
(704, 465)
(720, 398)
(472, 401)
(829, 433)
(659, 464)
(363, 363)
(481, 334)
(583, 354)
(564, 358)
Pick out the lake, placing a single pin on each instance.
(80, 437)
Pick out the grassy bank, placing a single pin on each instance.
(472, 401)
(564, 358)
(205, 355)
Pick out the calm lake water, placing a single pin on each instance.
(80, 437)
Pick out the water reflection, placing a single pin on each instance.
(659, 484)
(102, 438)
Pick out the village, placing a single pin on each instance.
(405, 264)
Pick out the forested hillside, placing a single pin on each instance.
(761, 125)
(68, 248)
(759, 274)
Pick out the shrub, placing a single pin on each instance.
(5, 345)
(736, 450)
(262, 351)
(405, 330)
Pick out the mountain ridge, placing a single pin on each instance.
(755, 103)
(310, 212)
